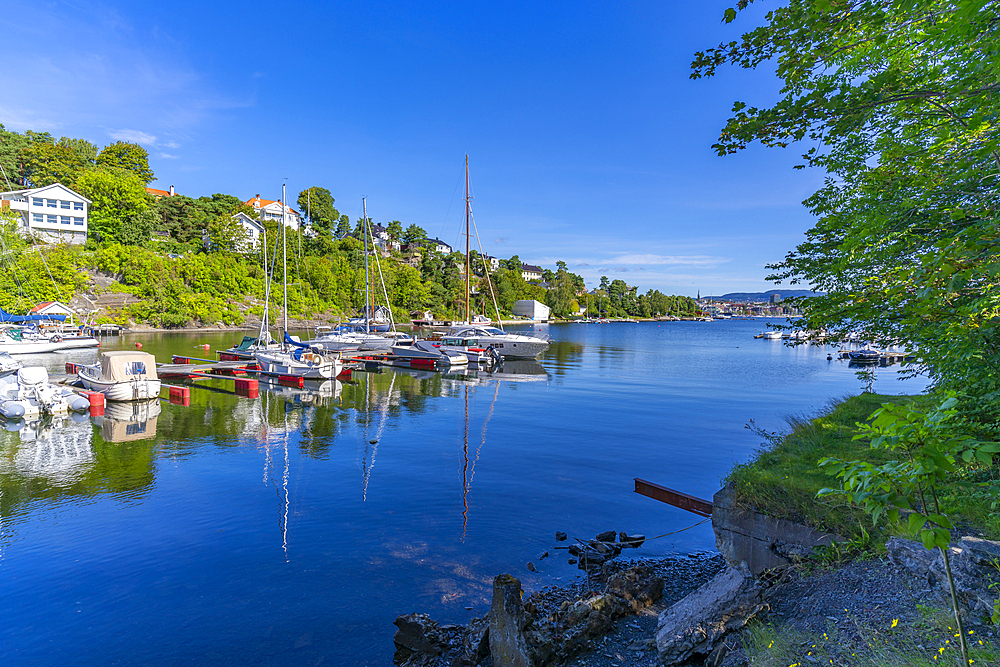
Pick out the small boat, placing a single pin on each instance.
(122, 375)
(8, 364)
(472, 349)
(429, 352)
(31, 341)
(28, 394)
(505, 343)
(866, 356)
(299, 360)
(769, 335)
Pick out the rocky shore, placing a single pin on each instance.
(695, 610)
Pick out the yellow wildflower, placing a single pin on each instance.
(895, 622)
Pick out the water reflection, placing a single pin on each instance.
(124, 422)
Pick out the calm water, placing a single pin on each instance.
(296, 527)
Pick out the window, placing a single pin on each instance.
(78, 206)
(38, 218)
(52, 219)
(65, 219)
(37, 201)
(51, 203)
(64, 204)
(78, 221)
(135, 368)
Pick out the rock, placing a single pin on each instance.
(544, 555)
(912, 556)
(638, 586)
(762, 542)
(693, 625)
(601, 547)
(606, 536)
(982, 552)
(575, 549)
(508, 620)
(572, 561)
(561, 536)
(531, 567)
(631, 541)
(716, 657)
(476, 641)
(417, 633)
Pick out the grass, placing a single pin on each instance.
(928, 641)
(782, 480)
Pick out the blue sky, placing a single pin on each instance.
(588, 142)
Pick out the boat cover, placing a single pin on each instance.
(36, 317)
(125, 365)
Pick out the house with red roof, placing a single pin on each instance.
(274, 209)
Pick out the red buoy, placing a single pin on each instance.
(206, 346)
(138, 346)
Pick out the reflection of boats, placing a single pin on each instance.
(29, 394)
(122, 375)
(312, 392)
(126, 422)
(57, 449)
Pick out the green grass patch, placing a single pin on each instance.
(783, 478)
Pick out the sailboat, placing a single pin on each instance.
(292, 358)
(504, 343)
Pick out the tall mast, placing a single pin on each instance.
(284, 261)
(468, 273)
(364, 228)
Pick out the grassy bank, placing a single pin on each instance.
(782, 480)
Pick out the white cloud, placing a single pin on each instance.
(134, 136)
(167, 156)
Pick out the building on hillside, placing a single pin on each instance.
(439, 245)
(253, 228)
(530, 272)
(271, 209)
(54, 308)
(533, 310)
(53, 213)
(381, 237)
(160, 194)
(492, 262)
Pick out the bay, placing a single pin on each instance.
(295, 527)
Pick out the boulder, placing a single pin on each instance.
(476, 641)
(638, 586)
(417, 634)
(561, 536)
(693, 625)
(972, 566)
(606, 536)
(632, 541)
(762, 542)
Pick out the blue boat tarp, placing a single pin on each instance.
(36, 317)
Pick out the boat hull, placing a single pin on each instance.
(281, 363)
(131, 390)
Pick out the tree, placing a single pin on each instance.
(48, 163)
(321, 213)
(83, 149)
(228, 235)
(128, 156)
(395, 230)
(118, 205)
(897, 100)
(414, 234)
(343, 227)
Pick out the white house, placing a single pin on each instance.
(532, 309)
(439, 245)
(253, 228)
(492, 262)
(53, 213)
(530, 272)
(382, 239)
(270, 209)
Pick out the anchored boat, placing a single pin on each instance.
(122, 375)
(28, 394)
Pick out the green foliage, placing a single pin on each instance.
(414, 234)
(322, 215)
(899, 102)
(48, 163)
(85, 151)
(128, 157)
(119, 208)
(228, 235)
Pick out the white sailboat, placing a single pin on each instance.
(292, 358)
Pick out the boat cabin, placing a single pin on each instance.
(125, 365)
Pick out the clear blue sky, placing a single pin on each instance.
(588, 141)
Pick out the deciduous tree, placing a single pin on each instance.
(128, 156)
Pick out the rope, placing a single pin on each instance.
(648, 539)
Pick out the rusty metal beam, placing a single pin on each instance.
(675, 498)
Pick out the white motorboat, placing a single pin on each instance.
(19, 341)
(769, 335)
(427, 351)
(122, 375)
(28, 394)
(8, 364)
(506, 344)
(473, 349)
